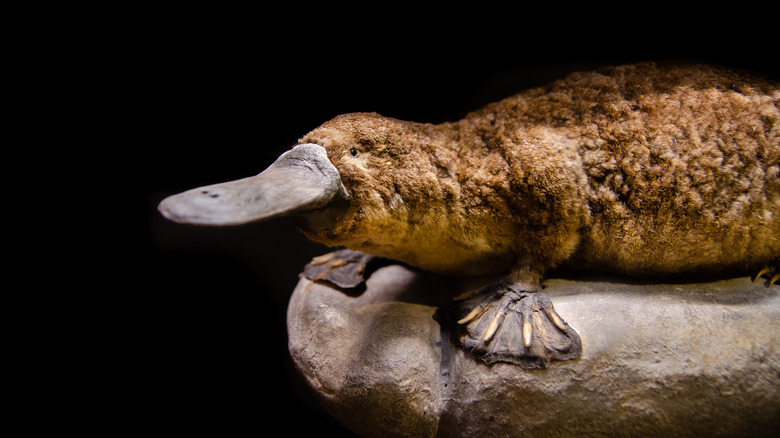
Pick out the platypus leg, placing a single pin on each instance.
(772, 274)
(344, 268)
(511, 321)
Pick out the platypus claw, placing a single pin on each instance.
(502, 323)
(772, 274)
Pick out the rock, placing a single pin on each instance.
(658, 360)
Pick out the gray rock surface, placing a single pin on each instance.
(658, 360)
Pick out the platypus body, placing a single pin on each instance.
(643, 170)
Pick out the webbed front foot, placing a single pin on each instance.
(771, 273)
(344, 268)
(506, 322)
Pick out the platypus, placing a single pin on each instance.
(643, 170)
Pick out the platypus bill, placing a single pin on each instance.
(638, 170)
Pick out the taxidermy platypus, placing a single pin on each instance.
(642, 170)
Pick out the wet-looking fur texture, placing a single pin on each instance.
(643, 170)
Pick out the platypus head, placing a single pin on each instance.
(350, 182)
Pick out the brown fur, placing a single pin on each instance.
(643, 170)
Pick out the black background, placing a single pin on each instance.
(195, 332)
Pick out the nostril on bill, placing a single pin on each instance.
(210, 194)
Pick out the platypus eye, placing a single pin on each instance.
(353, 152)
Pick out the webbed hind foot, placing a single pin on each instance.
(772, 274)
(503, 322)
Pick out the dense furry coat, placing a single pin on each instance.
(642, 170)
